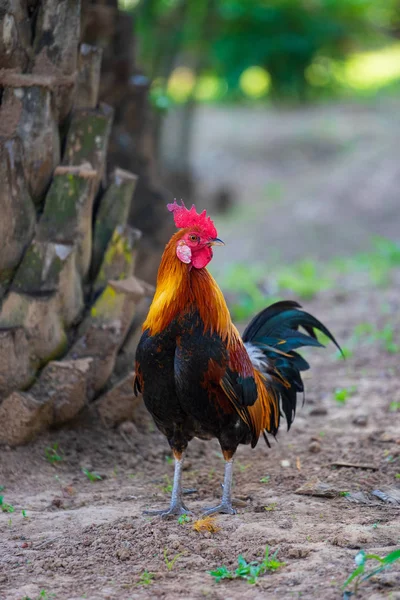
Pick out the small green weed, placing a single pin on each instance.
(146, 578)
(346, 353)
(43, 595)
(248, 571)
(170, 563)
(361, 573)
(167, 486)
(386, 336)
(377, 263)
(182, 519)
(304, 279)
(247, 286)
(265, 479)
(24, 514)
(341, 395)
(271, 506)
(4, 507)
(362, 329)
(169, 460)
(241, 466)
(92, 475)
(211, 473)
(52, 454)
(394, 406)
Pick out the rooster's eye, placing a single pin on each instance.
(193, 238)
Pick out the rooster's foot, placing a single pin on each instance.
(224, 507)
(174, 510)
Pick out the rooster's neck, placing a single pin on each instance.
(181, 289)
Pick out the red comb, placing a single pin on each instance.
(190, 218)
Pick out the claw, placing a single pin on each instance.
(225, 508)
(173, 510)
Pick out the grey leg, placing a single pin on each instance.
(176, 507)
(226, 502)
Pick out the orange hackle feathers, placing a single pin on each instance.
(178, 288)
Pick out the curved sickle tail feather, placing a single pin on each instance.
(271, 339)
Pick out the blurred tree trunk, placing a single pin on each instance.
(68, 250)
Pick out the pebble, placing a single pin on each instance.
(360, 420)
(314, 447)
(318, 411)
(298, 552)
(286, 524)
(123, 554)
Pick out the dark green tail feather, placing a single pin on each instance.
(277, 326)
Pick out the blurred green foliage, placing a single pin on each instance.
(250, 288)
(294, 41)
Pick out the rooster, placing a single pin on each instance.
(198, 377)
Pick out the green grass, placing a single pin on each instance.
(4, 507)
(371, 334)
(170, 563)
(43, 595)
(306, 280)
(364, 569)
(248, 571)
(346, 353)
(92, 476)
(341, 395)
(52, 454)
(265, 479)
(146, 578)
(167, 486)
(376, 263)
(182, 519)
(246, 284)
(252, 287)
(241, 466)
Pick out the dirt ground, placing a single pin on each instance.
(69, 538)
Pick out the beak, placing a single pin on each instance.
(216, 242)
